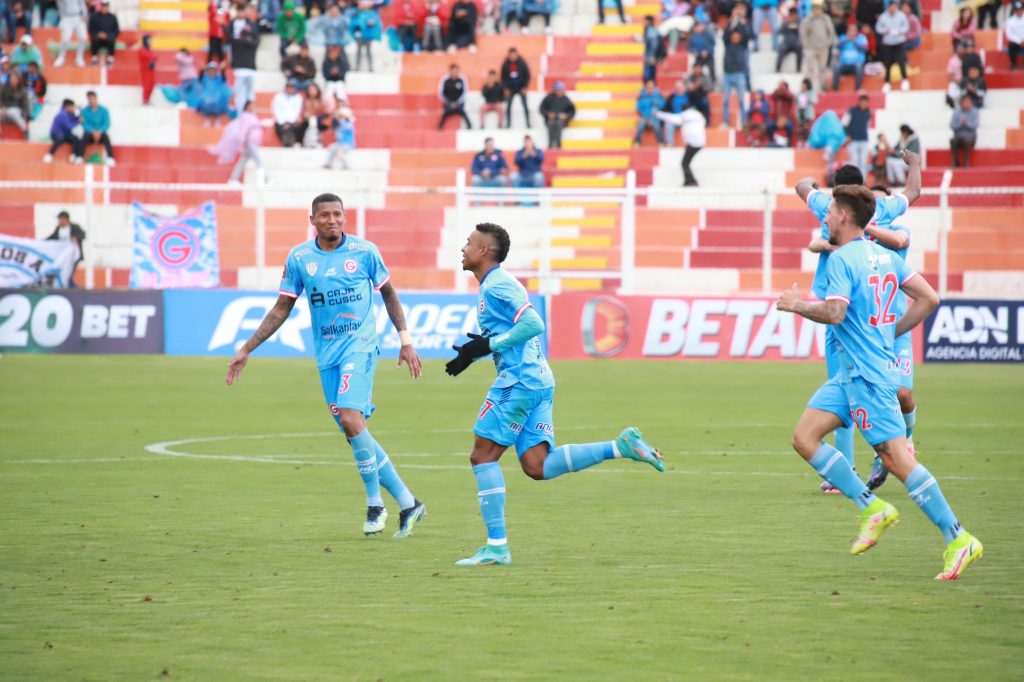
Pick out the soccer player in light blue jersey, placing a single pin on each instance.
(886, 210)
(862, 281)
(339, 273)
(896, 239)
(518, 408)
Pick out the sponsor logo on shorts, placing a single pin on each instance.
(515, 427)
(546, 429)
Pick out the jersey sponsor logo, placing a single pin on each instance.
(350, 266)
(334, 297)
(358, 247)
(311, 268)
(302, 252)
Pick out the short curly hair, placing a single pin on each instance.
(502, 242)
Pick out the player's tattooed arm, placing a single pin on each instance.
(272, 321)
(805, 187)
(832, 311)
(406, 353)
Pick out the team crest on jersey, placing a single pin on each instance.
(350, 266)
(311, 268)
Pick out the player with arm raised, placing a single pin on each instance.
(886, 210)
(896, 239)
(339, 273)
(518, 407)
(862, 280)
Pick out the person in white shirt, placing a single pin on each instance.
(694, 127)
(289, 123)
(1015, 34)
(73, 15)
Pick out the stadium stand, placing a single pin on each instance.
(706, 239)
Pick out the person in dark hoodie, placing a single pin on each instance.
(244, 38)
(103, 31)
(557, 110)
(452, 90)
(515, 76)
(61, 133)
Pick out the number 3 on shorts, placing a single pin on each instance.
(344, 383)
(485, 409)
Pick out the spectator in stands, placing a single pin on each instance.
(856, 122)
(654, 49)
(215, 18)
(892, 27)
(103, 32)
(433, 40)
(96, 124)
(648, 102)
(494, 99)
(62, 132)
(511, 10)
(970, 57)
(515, 77)
(895, 167)
(965, 124)
(462, 26)
(817, 36)
(406, 25)
(5, 68)
(867, 12)
(317, 110)
(335, 28)
(147, 69)
(290, 26)
(14, 102)
(789, 40)
(344, 125)
(989, 9)
(618, 7)
(298, 65)
(915, 31)
(697, 93)
(765, 11)
(244, 38)
(964, 26)
(701, 47)
(738, 24)
(36, 86)
(557, 111)
(335, 68)
(1014, 34)
(840, 11)
(529, 162)
(973, 86)
(240, 142)
(676, 101)
(779, 132)
(213, 95)
(452, 90)
(318, 4)
(852, 52)
(73, 14)
(758, 115)
(879, 154)
(366, 29)
(188, 80)
(783, 101)
(489, 168)
(533, 8)
(694, 125)
(25, 53)
(734, 65)
(17, 15)
(806, 100)
(289, 125)
(68, 231)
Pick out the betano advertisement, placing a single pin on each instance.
(218, 322)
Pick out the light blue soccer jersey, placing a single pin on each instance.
(867, 276)
(900, 305)
(501, 302)
(887, 209)
(339, 285)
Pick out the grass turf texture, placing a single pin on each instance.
(116, 563)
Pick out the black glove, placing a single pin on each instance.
(476, 347)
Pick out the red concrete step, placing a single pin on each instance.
(979, 158)
(717, 218)
(404, 218)
(18, 221)
(741, 258)
(792, 218)
(723, 238)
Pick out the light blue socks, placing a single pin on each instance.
(833, 467)
(924, 490)
(389, 478)
(366, 462)
(569, 458)
(490, 483)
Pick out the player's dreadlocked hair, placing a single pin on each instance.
(326, 198)
(857, 200)
(502, 243)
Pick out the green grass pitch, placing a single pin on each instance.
(121, 563)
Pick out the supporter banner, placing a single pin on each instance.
(975, 331)
(32, 262)
(79, 321)
(598, 326)
(174, 252)
(218, 322)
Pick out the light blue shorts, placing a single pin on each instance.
(349, 384)
(904, 349)
(832, 361)
(873, 408)
(517, 416)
